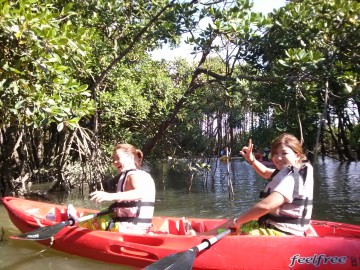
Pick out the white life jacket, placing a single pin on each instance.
(302, 200)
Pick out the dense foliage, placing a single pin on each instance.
(77, 77)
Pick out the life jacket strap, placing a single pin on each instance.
(283, 219)
(134, 220)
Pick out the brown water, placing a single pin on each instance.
(336, 198)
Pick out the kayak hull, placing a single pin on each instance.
(336, 246)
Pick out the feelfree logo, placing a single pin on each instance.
(316, 260)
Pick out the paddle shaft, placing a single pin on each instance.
(207, 243)
(91, 216)
(185, 260)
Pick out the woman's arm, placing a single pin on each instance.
(266, 205)
(138, 188)
(259, 168)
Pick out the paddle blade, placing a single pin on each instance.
(42, 233)
(49, 231)
(178, 261)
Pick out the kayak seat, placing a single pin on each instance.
(55, 214)
(198, 227)
(311, 231)
(176, 226)
(166, 225)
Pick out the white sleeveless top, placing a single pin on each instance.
(145, 209)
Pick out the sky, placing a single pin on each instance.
(264, 6)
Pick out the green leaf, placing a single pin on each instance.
(5, 9)
(28, 112)
(48, 110)
(348, 88)
(61, 68)
(282, 62)
(62, 41)
(60, 127)
(50, 102)
(82, 87)
(19, 104)
(15, 70)
(87, 94)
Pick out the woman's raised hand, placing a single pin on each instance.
(246, 152)
(100, 196)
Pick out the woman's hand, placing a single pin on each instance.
(101, 196)
(246, 152)
(232, 225)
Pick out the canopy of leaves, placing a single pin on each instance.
(40, 50)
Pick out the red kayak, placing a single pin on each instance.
(331, 245)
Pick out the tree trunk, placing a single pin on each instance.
(343, 137)
(333, 136)
(321, 124)
(150, 144)
(9, 168)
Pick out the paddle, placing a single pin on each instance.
(185, 260)
(47, 232)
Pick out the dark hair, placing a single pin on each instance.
(290, 141)
(132, 150)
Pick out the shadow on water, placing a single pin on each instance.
(336, 198)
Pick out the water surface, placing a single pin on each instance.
(336, 198)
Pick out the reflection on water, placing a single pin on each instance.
(336, 198)
(337, 191)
